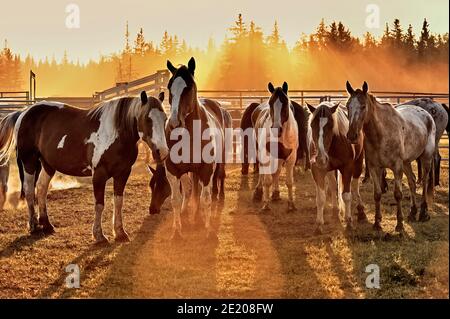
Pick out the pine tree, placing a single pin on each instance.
(397, 35)
(139, 44)
(410, 40)
(127, 49)
(239, 30)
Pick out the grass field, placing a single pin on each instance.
(271, 254)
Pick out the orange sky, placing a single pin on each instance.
(38, 27)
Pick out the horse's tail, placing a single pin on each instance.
(7, 138)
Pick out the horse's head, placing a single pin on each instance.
(279, 106)
(182, 93)
(357, 106)
(160, 188)
(322, 129)
(151, 125)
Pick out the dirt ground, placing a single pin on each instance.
(271, 254)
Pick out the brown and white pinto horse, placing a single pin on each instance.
(100, 142)
(191, 117)
(275, 116)
(332, 151)
(393, 138)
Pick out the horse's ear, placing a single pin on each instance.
(365, 87)
(285, 88)
(171, 68)
(334, 107)
(144, 97)
(161, 96)
(191, 65)
(310, 107)
(270, 87)
(349, 88)
(151, 169)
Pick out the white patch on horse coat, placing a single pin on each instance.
(61, 142)
(158, 128)
(322, 122)
(141, 134)
(354, 107)
(51, 103)
(105, 135)
(176, 89)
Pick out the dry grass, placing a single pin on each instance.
(257, 254)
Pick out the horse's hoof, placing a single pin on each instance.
(424, 217)
(399, 228)
(318, 230)
(377, 226)
(257, 195)
(101, 241)
(48, 229)
(122, 237)
(276, 196)
(291, 207)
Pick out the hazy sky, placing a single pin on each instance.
(38, 27)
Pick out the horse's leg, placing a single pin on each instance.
(375, 173)
(366, 173)
(290, 184)
(347, 197)
(99, 180)
(398, 195)
(176, 200)
(319, 178)
(359, 203)
(43, 183)
(258, 192)
(437, 168)
(276, 184)
(4, 176)
(215, 182)
(30, 166)
(266, 183)
(384, 184)
(419, 171)
(407, 169)
(331, 184)
(119, 185)
(205, 200)
(426, 186)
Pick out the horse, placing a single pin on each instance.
(100, 142)
(300, 115)
(276, 115)
(393, 138)
(190, 117)
(441, 119)
(328, 127)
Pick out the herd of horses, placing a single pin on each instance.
(334, 140)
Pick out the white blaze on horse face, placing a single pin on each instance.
(158, 131)
(322, 122)
(355, 109)
(61, 142)
(105, 135)
(277, 107)
(176, 89)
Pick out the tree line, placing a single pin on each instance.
(247, 59)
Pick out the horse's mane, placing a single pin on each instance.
(123, 111)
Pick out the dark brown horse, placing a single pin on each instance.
(331, 150)
(100, 142)
(196, 137)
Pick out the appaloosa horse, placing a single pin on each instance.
(333, 151)
(393, 138)
(100, 142)
(195, 134)
(275, 124)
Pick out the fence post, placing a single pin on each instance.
(301, 94)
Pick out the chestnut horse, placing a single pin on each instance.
(275, 117)
(332, 151)
(204, 129)
(393, 138)
(100, 142)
